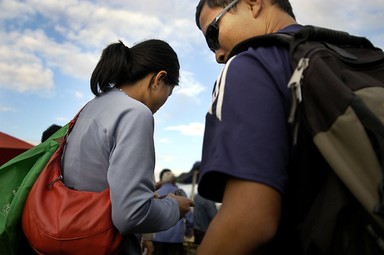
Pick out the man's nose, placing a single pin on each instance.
(220, 56)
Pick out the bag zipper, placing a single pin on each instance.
(54, 181)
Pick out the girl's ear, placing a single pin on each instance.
(160, 76)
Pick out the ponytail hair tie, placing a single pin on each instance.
(127, 51)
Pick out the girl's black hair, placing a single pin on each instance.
(285, 5)
(121, 65)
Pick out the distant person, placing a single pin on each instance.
(203, 213)
(204, 210)
(112, 146)
(170, 242)
(49, 132)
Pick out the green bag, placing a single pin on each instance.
(17, 177)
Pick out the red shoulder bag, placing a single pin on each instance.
(60, 220)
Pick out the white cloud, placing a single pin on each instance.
(29, 59)
(4, 108)
(8, 8)
(164, 140)
(79, 95)
(192, 129)
(23, 71)
(166, 158)
(74, 33)
(355, 16)
(66, 57)
(188, 85)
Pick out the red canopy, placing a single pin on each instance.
(11, 146)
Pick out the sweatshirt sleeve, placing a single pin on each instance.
(130, 177)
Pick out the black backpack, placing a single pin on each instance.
(334, 203)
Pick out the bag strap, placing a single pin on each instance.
(314, 33)
(268, 40)
(72, 123)
(307, 33)
(63, 140)
(375, 130)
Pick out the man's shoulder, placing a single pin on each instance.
(291, 28)
(257, 59)
(265, 44)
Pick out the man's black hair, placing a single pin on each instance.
(285, 5)
(163, 171)
(49, 131)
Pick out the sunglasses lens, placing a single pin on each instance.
(212, 35)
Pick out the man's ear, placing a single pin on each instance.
(255, 6)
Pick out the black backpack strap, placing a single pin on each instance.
(314, 33)
(275, 39)
(307, 33)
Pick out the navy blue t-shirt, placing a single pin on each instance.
(246, 132)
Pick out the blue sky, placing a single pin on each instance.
(48, 49)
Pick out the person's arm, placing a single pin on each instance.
(130, 178)
(147, 244)
(189, 224)
(247, 219)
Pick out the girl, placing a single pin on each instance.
(111, 144)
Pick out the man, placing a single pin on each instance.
(49, 131)
(246, 148)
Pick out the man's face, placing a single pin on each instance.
(233, 26)
(240, 21)
(207, 16)
(212, 31)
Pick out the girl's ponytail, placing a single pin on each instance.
(120, 65)
(114, 67)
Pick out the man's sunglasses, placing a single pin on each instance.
(212, 33)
